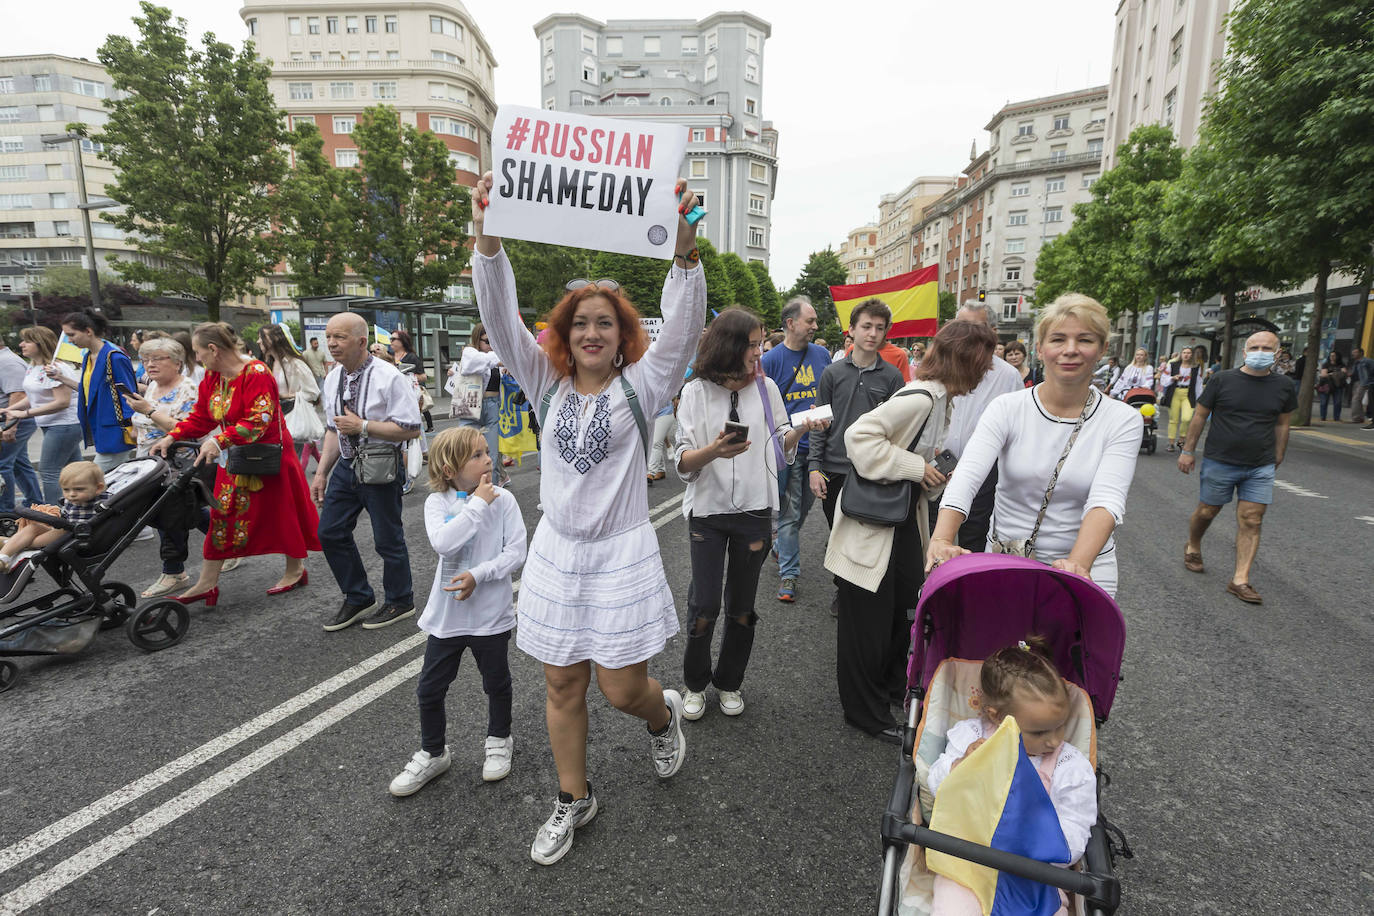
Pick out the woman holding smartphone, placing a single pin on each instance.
(733, 432)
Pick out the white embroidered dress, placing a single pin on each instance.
(593, 586)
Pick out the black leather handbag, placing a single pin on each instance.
(257, 459)
(877, 503)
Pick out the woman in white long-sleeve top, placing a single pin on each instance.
(1064, 431)
(479, 361)
(594, 590)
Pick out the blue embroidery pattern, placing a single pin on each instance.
(583, 457)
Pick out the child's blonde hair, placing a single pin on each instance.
(1028, 665)
(450, 450)
(79, 472)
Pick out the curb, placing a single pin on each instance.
(1320, 441)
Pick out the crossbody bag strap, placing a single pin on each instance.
(1054, 478)
(544, 403)
(768, 416)
(638, 410)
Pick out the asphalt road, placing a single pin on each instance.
(246, 769)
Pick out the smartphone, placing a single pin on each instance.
(124, 390)
(738, 431)
(945, 462)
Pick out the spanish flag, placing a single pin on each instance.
(913, 297)
(995, 798)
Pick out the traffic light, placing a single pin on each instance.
(982, 295)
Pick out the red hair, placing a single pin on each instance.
(634, 342)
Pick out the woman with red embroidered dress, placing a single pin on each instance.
(250, 515)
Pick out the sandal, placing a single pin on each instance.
(166, 584)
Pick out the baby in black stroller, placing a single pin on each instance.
(83, 484)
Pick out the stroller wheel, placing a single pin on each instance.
(8, 527)
(9, 675)
(158, 625)
(120, 601)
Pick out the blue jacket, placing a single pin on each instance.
(103, 413)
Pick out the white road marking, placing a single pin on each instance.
(102, 851)
(1297, 490)
(69, 870)
(1367, 519)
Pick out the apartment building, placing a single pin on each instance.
(331, 59)
(1165, 56)
(858, 253)
(40, 223)
(899, 249)
(706, 75)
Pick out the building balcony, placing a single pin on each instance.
(1053, 162)
(750, 146)
(374, 66)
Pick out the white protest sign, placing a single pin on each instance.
(587, 182)
(653, 327)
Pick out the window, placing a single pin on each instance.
(393, 55)
(589, 42)
(355, 55)
(344, 124)
(446, 56)
(689, 45)
(374, 55)
(298, 120)
(751, 107)
(588, 102)
(1009, 308)
(16, 201)
(42, 83)
(1054, 214)
(548, 70)
(14, 172)
(1014, 272)
(312, 24)
(301, 92)
(1015, 246)
(751, 70)
(331, 25)
(1054, 185)
(370, 24)
(62, 228)
(710, 42)
(464, 161)
(751, 41)
(549, 103)
(758, 171)
(589, 70)
(252, 27)
(316, 55)
(653, 45)
(1020, 189)
(440, 25)
(756, 237)
(1095, 147)
(710, 69)
(631, 101)
(58, 200)
(1170, 104)
(53, 171)
(665, 101)
(1025, 129)
(351, 25)
(1016, 218)
(345, 158)
(757, 202)
(390, 23)
(1061, 122)
(293, 25)
(384, 90)
(1090, 179)
(1059, 152)
(88, 87)
(701, 198)
(698, 168)
(698, 135)
(548, 43)
(1176, 49)
(341, 90)
(9, 114)
(90, 146)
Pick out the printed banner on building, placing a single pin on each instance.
(570, 179)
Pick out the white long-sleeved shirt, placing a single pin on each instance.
(485, 540)
(747, 482)
(1001, 378)
(1134, 376)
(475, 361)
(1026, 441)
(1073, 787)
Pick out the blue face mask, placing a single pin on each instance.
(1259, 359)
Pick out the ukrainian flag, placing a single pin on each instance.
(381, 335)
(995, 798)
(516, 436)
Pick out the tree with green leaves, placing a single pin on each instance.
(640, 278)
(313, 218)
(770, 300)
(71, 280)
(406, 211)
(720, 292)
(194, 138)
(542, 271)
(948, 307)
(822, 271)
(1292, 127)
(742, 282)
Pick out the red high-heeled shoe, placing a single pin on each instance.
(303, 581)
(211, 598)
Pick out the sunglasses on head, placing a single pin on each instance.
(605, 283)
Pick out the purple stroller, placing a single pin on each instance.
(970, 607)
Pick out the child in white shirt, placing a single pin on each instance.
(1021, 681)
(480, 537)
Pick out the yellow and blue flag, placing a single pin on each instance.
(516, 436)
(67, 351)
(381, 336)
(995, 798)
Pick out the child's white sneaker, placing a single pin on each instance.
(419, 770)
(499, 753)
(693, 704)
(731, 703)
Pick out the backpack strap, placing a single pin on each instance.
(630, 397)
(544, 404)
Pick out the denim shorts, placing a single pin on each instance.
(1220, 480)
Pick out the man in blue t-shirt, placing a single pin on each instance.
(795, 367)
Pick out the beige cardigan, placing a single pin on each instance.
(877, 445)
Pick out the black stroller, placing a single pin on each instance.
(64, 620)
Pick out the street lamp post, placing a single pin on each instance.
(74, 139)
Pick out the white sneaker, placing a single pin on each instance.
(499, 753)
(693, 704)
(147, 534)
(669, 750)
(419, 770)
(731, 703)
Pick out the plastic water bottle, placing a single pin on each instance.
(460, 562)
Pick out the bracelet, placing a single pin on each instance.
(1184, 452)
(690, 257)
(364, 429)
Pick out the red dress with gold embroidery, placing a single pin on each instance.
(252, 515)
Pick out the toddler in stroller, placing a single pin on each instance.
(83, 484)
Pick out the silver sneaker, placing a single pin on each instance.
(670, 750)
(419, 770)
(554, 839)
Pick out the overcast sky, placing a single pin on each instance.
(862, 104)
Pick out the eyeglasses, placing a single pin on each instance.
(734, 407)
(155, 359)
(605, 283)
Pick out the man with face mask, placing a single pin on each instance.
(1250, 408)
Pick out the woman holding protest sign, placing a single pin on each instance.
(594, 591)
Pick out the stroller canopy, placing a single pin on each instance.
(975, 604)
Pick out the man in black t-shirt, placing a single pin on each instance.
(1250, 408)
